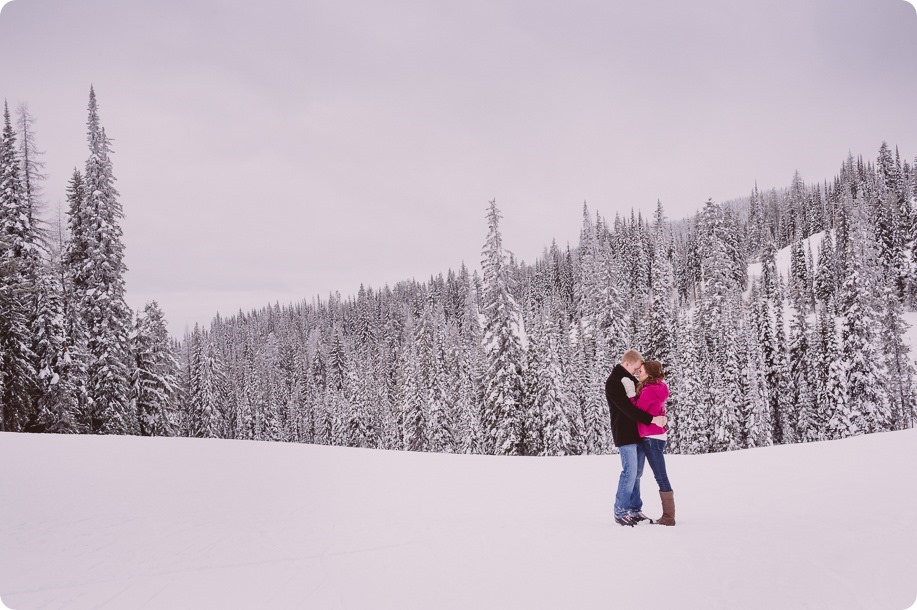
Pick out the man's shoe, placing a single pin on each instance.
(638, 517)
(625, 520)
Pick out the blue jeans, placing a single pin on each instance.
(653, 447)
(627, 500)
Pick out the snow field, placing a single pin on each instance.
(128, 522)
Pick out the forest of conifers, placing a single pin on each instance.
(511, 359)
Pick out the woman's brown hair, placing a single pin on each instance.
(654, 374)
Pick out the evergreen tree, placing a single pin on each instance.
(503, 416)
(660, 342)
(691, 420)
(441, 422)
(206, 378)
(757, 227)
(470, 357)
(833, 401)
(726, 408)
(551, 400)
(800, 369)
(533, 428)
(60, 393)
(826, 273)
(898, 363)
(414, 417)
(19, 259)
(154, 378)
(96, 269)
(755, 399)
(868, 404)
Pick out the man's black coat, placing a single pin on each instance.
(624, 415)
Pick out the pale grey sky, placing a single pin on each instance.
(277, 150)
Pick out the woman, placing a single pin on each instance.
(651, 396)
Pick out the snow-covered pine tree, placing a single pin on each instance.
(612, 303)
(781, 372)
(868, 402)
(809, 287)
(637, 281)
(533, 428)
(800, 356)
(20, 263)
(734, 242)
(899, 383)
(716, 312)
(552, 399)
(206, 417)
(826, 274)
(414, 428)
(757, 223)
(694, 415)
(60, 392)
(502, 418)
(719, 291)
(726, 410)
(889, 228)
(772, 338)
(799, 274)
(52, 357)
(660, 340)
(95, 261)
(589, 285)
(442, 403)
(361, 429)
(833, 400)
(755, 400)
(578, 367)
(154, 377)
(597, 421)
(71, 253)
(470, 358)
(338, 413)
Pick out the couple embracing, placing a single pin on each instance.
(636, 395)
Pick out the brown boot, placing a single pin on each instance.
(668, 508)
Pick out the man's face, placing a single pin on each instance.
(633, 367)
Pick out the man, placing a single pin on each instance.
(624, 418)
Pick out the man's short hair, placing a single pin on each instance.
(632, 355)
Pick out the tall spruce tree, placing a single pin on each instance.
(95, 260)
(20, 262)
(503, 416)
(868, 403)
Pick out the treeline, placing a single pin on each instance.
(74, 356)
(511, 360)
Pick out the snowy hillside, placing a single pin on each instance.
(782, 261)
(128, 522)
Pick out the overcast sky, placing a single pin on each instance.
(278, 150)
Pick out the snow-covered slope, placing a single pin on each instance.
(782, 263)
(124, 522)
(782, 259)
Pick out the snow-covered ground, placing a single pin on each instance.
(126, 522)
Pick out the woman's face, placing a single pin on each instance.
(641, 373)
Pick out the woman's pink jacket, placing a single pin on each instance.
(652, 400)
